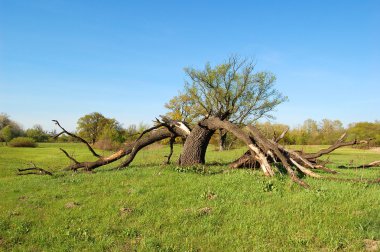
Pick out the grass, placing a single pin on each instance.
(151, 207)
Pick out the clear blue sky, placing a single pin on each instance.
(63, 59)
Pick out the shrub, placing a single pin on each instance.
(22, 142)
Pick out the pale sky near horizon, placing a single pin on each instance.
(64, 59)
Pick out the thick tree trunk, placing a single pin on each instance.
(194, 150)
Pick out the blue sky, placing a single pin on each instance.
(125, 59)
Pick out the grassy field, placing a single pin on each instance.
(151, 207)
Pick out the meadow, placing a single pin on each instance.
(154, 207)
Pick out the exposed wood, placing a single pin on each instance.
(180, 125)
(281, 136)
(246, 161)
(215, 123)
(258, 137)
(305, 170)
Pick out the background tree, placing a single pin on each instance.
(9, 129)
(95, 126)
(330, 130)
(183, 108)
(365, 130)
(4, 120)
(37, 133)
(230, 91)
(6, 134)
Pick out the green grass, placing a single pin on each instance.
(151, 207)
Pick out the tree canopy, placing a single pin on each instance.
(230, 91)
(8, 128)
(95, 126)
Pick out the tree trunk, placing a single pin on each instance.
(222, 139)
(194, 149)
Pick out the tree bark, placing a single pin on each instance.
(194, 149)
(215, 123)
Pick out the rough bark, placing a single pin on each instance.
(215, 123)
(194, 149)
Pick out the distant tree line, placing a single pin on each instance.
(102, 132)
(325, 131)
(311, 132)
(108, 133)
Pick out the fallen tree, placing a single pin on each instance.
(226, 98)
(265, 154)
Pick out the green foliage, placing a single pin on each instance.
(91, 126)
(365, 130)
(4, 120)
(310, 132)
(22, 142)
(230, 91)
(150, 207)
(6, 133)
(37, 133)
(133, 131)
(94, 127)
(8, 128)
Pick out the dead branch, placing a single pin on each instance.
(323, 168)
(281, 136)
(338, 144)
(215, 123)
(77, 137)
(268, 145)
(34, 170)
(154, 134)
(171, 143)
(180, 125)
(70, 157)
(363, 166)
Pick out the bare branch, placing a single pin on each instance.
(305, 170)
(171, 143)
(70, 157)
(77, 137)
(149, 130)
(363, 166)
(338, 144)
(281, 136)
(35, 170)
